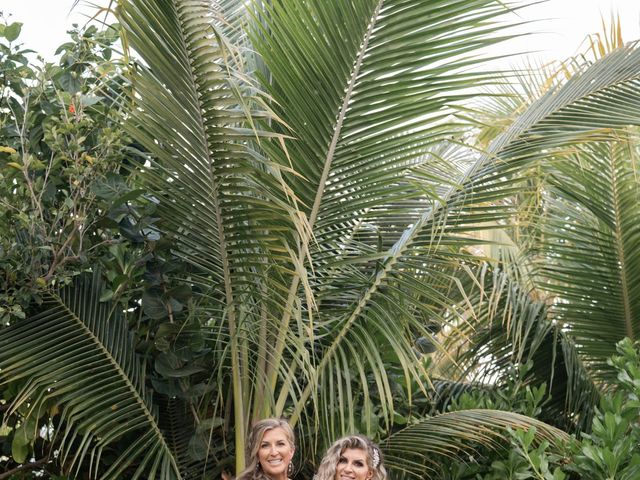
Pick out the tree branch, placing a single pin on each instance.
(26, 466)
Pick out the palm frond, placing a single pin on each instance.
(589, 241)
(427, 246)
(192, 111)
(356, 133)
(419, 447)
(225, 207)
(582, 224)
(78, 353)
(570, 114)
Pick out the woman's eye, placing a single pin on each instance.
(359, 464)
(342, 460)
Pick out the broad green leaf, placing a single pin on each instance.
(12, 31)
(19, 450)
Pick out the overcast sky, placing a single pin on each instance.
(562, 25)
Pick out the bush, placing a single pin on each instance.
(60, 139)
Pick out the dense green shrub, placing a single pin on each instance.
(60, 143)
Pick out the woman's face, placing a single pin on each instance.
(352, 465)
(275, 453)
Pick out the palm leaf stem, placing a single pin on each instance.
(620, 247)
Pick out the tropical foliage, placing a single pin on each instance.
(311, 209)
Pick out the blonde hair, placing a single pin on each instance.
(253, 470)
(329, 463)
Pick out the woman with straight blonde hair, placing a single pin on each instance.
(270, 449)
(354, 457)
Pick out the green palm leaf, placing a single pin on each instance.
(583, 234)
(224, 206)
(581, 103)
(583, 215)
(590, 240)
(570, 114)
(78, 353)
(421, 446)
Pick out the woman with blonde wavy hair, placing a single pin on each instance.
(270, 449)
(354, 457)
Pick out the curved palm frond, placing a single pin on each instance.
(419, 447)
(585, 104)
(581, 229)
(78, 353)
(355, 131)
(225, 207)
(588, 102)
(573, 112)
(576, 112)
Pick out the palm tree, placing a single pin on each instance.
(562, 293)
(307, 166)
(331, 163)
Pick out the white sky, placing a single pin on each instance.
(562, 25)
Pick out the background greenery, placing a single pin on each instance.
(329, 211)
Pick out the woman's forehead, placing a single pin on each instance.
(354, 453)
(275, 434)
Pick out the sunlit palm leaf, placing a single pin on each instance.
(572, 113)
(583, 256)
(587, 197)
(78, 353)
(569, 114)
(356, 131)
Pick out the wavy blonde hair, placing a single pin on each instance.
(329, 463)
(253, 470)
